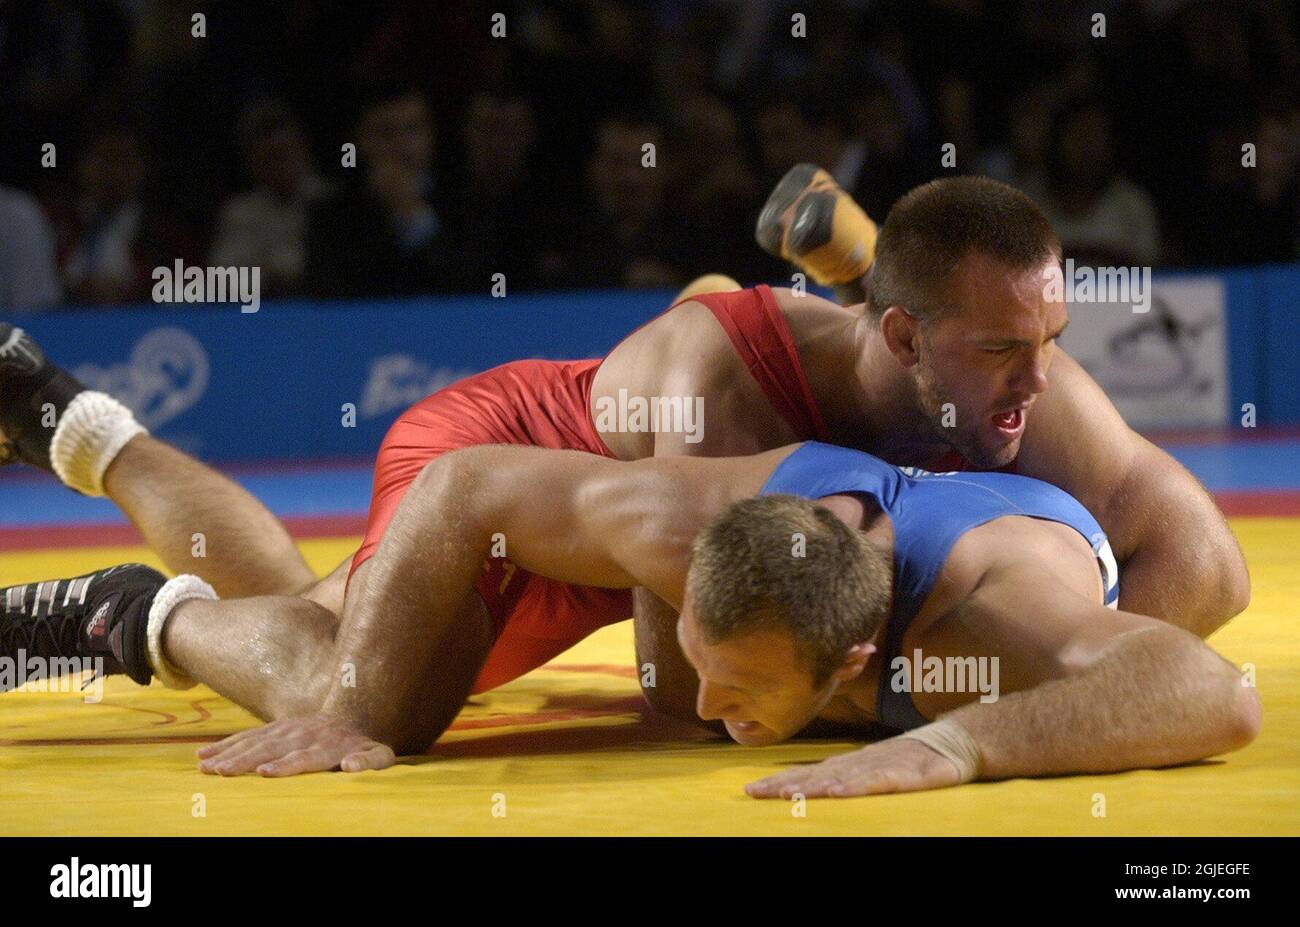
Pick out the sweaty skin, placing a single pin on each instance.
(1023, 590)
(1180, 561)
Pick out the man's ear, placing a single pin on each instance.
(855, 661)
(901, 332)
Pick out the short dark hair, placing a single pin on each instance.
(783, 562)
(934, 226)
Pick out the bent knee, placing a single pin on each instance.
(329, 591)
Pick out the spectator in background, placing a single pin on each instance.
(861, 140)
(1242, 214)
(1022, 159)
(111, 236)
(958, 118)
(713, 188)
(499, 214)
(623, 234)
(1101, 217)
(266, 227)
(892, 161)
(799, 123)
(54, 58)
(384, 235)
(29, 275)
(871, 91)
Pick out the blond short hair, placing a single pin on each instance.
(783, 562)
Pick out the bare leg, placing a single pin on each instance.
(171, 497)
(263, 653)
(276, 656)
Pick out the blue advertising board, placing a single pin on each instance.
(303, 379)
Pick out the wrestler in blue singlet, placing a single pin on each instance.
(930, 511)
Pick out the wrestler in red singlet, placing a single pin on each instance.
(546, 404)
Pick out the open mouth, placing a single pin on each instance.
(1010, 423)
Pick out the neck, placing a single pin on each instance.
(877, 411)
(854, 702)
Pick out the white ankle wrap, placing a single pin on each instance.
(92, 429)
(173, 592)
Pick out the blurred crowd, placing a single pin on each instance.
(127, 143)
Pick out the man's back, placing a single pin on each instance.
(747, 353)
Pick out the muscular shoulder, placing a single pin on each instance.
(1075, 438)
(810, 317)
(685, 352)
(1014, 545)
(686, 340)
(691, 343)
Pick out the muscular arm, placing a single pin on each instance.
(583, 519)
(1094, 690)
(1115, 690)
(1180, 560)
(672, 686)
(691, 357)
(563, 514)
(668, 681)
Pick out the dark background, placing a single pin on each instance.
(522, 155)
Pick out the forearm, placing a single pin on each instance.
(668, 681)
(1156, 697)
(404, 629)
(568, 516)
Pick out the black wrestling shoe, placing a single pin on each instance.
(102, 615)
(33, 396)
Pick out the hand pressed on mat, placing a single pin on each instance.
(896, 765)
(291, 746)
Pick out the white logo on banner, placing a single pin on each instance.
(167, 374)
(396, 381)
(1164, 368)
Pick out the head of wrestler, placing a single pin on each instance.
(966, 289)
(783, 606)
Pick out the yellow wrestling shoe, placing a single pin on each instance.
(708, 283)
(810, 221)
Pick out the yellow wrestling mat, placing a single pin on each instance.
(567, 750)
